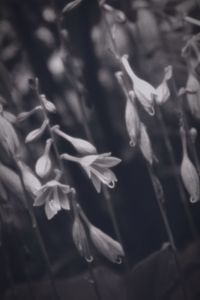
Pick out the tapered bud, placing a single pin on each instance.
(163, 92)
(50, 107)
(80, 239)
(193, 134)
(37, 133)
(43, 165)
(107, 246)
(189, 174)
(193, 96)
(132, 122)
(26, 114)
(145, 144)
(82, 146)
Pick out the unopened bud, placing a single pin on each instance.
(37, 133)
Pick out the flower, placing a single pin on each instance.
(54, 196)
(43, 164)
(162, 91)
(106, 245)
(189, 174)
(144, 91)
(97, 167)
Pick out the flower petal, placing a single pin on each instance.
(49, 211)
(96, 182)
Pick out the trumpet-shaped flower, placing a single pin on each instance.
(106, 245)
(80, 239)
(54, 196)
(97, 168)
(144, 91)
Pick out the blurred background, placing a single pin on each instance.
(33, 45)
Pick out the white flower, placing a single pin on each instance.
(97, 168)
(144, 91)
(54, 196)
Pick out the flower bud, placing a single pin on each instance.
(50, 107)
(107, 246)
(43, 164)
(144, 91)
(193, 97)
(189, 174)
(193, 134)
(132, 122)
(26, 114)
(145, 144)
(80, 239)
(31, 183)
(37, 133)
(163, 92)
(82, 146)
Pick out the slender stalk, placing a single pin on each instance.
(7, 261)
(160, 199)
(37, 233)
(62, 169)
(170, 151)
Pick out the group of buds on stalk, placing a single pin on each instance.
(55, 195)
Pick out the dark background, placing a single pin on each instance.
(29, 47)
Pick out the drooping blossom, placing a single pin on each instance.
(97, 167)
(54, 196)
(189, 174)
(144, 91)
(106, 245)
